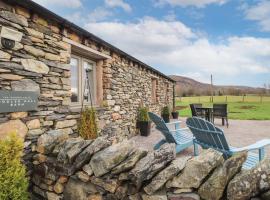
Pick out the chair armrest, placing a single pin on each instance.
(176, 122)
(257, 145)
(180, 129)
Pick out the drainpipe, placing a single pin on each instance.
(173, 95)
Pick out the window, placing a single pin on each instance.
(81, 87)
(154, 90)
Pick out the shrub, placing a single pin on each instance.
(143, 114)
(13, 181)
(88, 124)
(165, 110)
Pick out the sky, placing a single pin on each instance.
(195, 38)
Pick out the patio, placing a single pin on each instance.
(240, 133)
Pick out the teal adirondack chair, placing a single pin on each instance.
(207, 135)
(181, 137)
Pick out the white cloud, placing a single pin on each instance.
(173, 46)
(260, 13)
(63, 3)
(99, 14)
(118, 3)
(185, 3)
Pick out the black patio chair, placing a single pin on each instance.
(221, 111)
(195, 112)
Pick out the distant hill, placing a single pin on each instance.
(186, 87)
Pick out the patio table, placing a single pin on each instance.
(208, 112)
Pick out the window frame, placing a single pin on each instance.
(81, 59)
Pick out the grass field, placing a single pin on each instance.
(249, 107)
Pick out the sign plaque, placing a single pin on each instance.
(18, 101)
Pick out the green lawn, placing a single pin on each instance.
(252, 108)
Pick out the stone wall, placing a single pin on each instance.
(40, 62)
(103, 170)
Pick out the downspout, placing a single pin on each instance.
(173, 95)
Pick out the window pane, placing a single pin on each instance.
(74, 79)
(88, 69)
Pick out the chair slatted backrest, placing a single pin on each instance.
(220, 110)
(193, 107)
(208, 135)
(161, 126)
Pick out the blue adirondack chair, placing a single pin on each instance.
(181, 137)
(207, 135)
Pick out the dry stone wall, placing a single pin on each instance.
(80, 169)
(40, 62)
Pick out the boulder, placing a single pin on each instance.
(152, 163)
(25, 85)
(97, 145)
(35, 33)
(35, 66)
(166, 174)
(130, 162)
(83, 176)
(197, 169)
(105, 160)
(17, 19)
(76, 189)
(13, 126)
(250, 183)
(214, 187)
(88, 170)
(34, 51)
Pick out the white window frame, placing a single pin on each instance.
(81, 60)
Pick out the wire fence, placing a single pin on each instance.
(222, 99)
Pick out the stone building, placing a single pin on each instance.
(50, 55)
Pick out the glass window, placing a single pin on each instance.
(74, 80)
(80, 83)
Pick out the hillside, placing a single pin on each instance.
(186, 87)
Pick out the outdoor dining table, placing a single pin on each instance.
(208, 112)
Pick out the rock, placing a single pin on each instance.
(18, 115)
(184, 196)
(116, 116)
(103, 161)
(180, 191)
(76, 149)
(85, 155)
(34, 133)
(17, 19)
(35, 33)
(62, 179)
(10, 65)
(108, 184)
(130, 162)
(63, 148)
(156, 196)
(250, 183)
(25, 85)
(95, 197)
(35, 66)
(53, 196)
(76, 189)
(52, 57)
(88, 170)
(65, 123)
(4, 56)
(34, 51)
(83, 176)
(33, 124)
(47, 142)
(197, 169)
(13, 126)
(166, 174)
(214, 187)
(152, 163)
(11, 77)
(58, 188)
